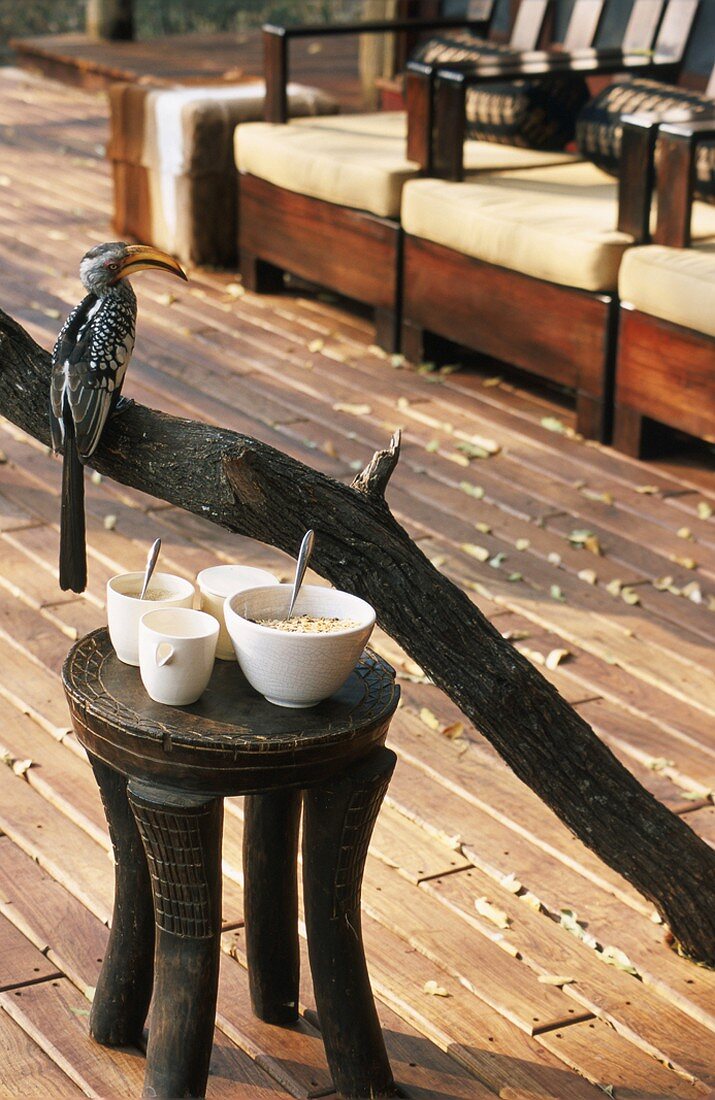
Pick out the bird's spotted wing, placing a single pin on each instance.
(90, 361)
(72, 342)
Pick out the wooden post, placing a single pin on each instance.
(112, 19)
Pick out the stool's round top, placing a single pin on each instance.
(232, 738)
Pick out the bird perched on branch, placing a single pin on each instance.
(89, 362)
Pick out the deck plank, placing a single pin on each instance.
(26, 1072)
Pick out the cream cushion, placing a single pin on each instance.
(356, 160)
(675, 284)
(555, 223)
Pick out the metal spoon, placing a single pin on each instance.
(306, 549)
(150, 563)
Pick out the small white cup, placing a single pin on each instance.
(216, 584)
(125, 609)
(177, 647)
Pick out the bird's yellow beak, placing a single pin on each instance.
(141, 256)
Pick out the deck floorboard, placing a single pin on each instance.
(300, 371)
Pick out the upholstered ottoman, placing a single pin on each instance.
(171, 152)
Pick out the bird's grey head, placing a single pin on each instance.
(105, 265)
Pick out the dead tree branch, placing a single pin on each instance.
(253, 489)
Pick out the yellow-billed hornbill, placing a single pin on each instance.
(89, 362)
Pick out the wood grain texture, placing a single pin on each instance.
(348, 251)
(665, 372)
(557, 332)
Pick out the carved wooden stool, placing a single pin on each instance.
(162, 772)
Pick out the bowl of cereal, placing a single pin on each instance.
(301, 660)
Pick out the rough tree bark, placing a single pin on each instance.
(251, 488)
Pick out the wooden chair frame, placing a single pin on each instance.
(351, 251)
(564, 334)
(664, 372)
(561, 333)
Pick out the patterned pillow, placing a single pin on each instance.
(535, 114)
(599, 129)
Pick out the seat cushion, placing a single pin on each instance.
(553, 223)
(675, 284)
(556, 223)
(599, 127)
(356, 160)
(535, 114)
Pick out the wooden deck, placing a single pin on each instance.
(565, 546)
(190, 59)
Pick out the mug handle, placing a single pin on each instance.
(167, 655)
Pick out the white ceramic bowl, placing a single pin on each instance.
(292, 669)
(219, 581)
(125, 609)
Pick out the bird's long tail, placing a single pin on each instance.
(73, 555)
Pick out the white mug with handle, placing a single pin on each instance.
(177, 647)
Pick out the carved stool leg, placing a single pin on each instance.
(339, 819)
(182, 839)
(124, 988)
(270, 854)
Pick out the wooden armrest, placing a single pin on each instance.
(677, 145)
(376, 26)
(276, 40)
(637, 175)
(450, 85)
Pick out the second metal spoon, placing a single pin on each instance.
(150, 564)
(306, 549)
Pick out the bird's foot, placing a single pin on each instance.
(122, 405)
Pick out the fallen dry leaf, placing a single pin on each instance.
(588, 575)
(483, 528)
(495, 381)
(429, 719)
(615, 957)
(556, 657)
(533, 655)
(687, 563)
(21, 766)
(453, 730)
(555, 979)
(614, 587)
(515, 635)
(630, 596)
(497, 916)
(110, 522)
(457, 458)
(472, 450)
(354, 410)
(552, 424)
(684, 533)
(434, 989)
(693, 592)
(648, 490)
(704, 510)
(235, 290)
(475, 491)
(522, 544)
(479, 552)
